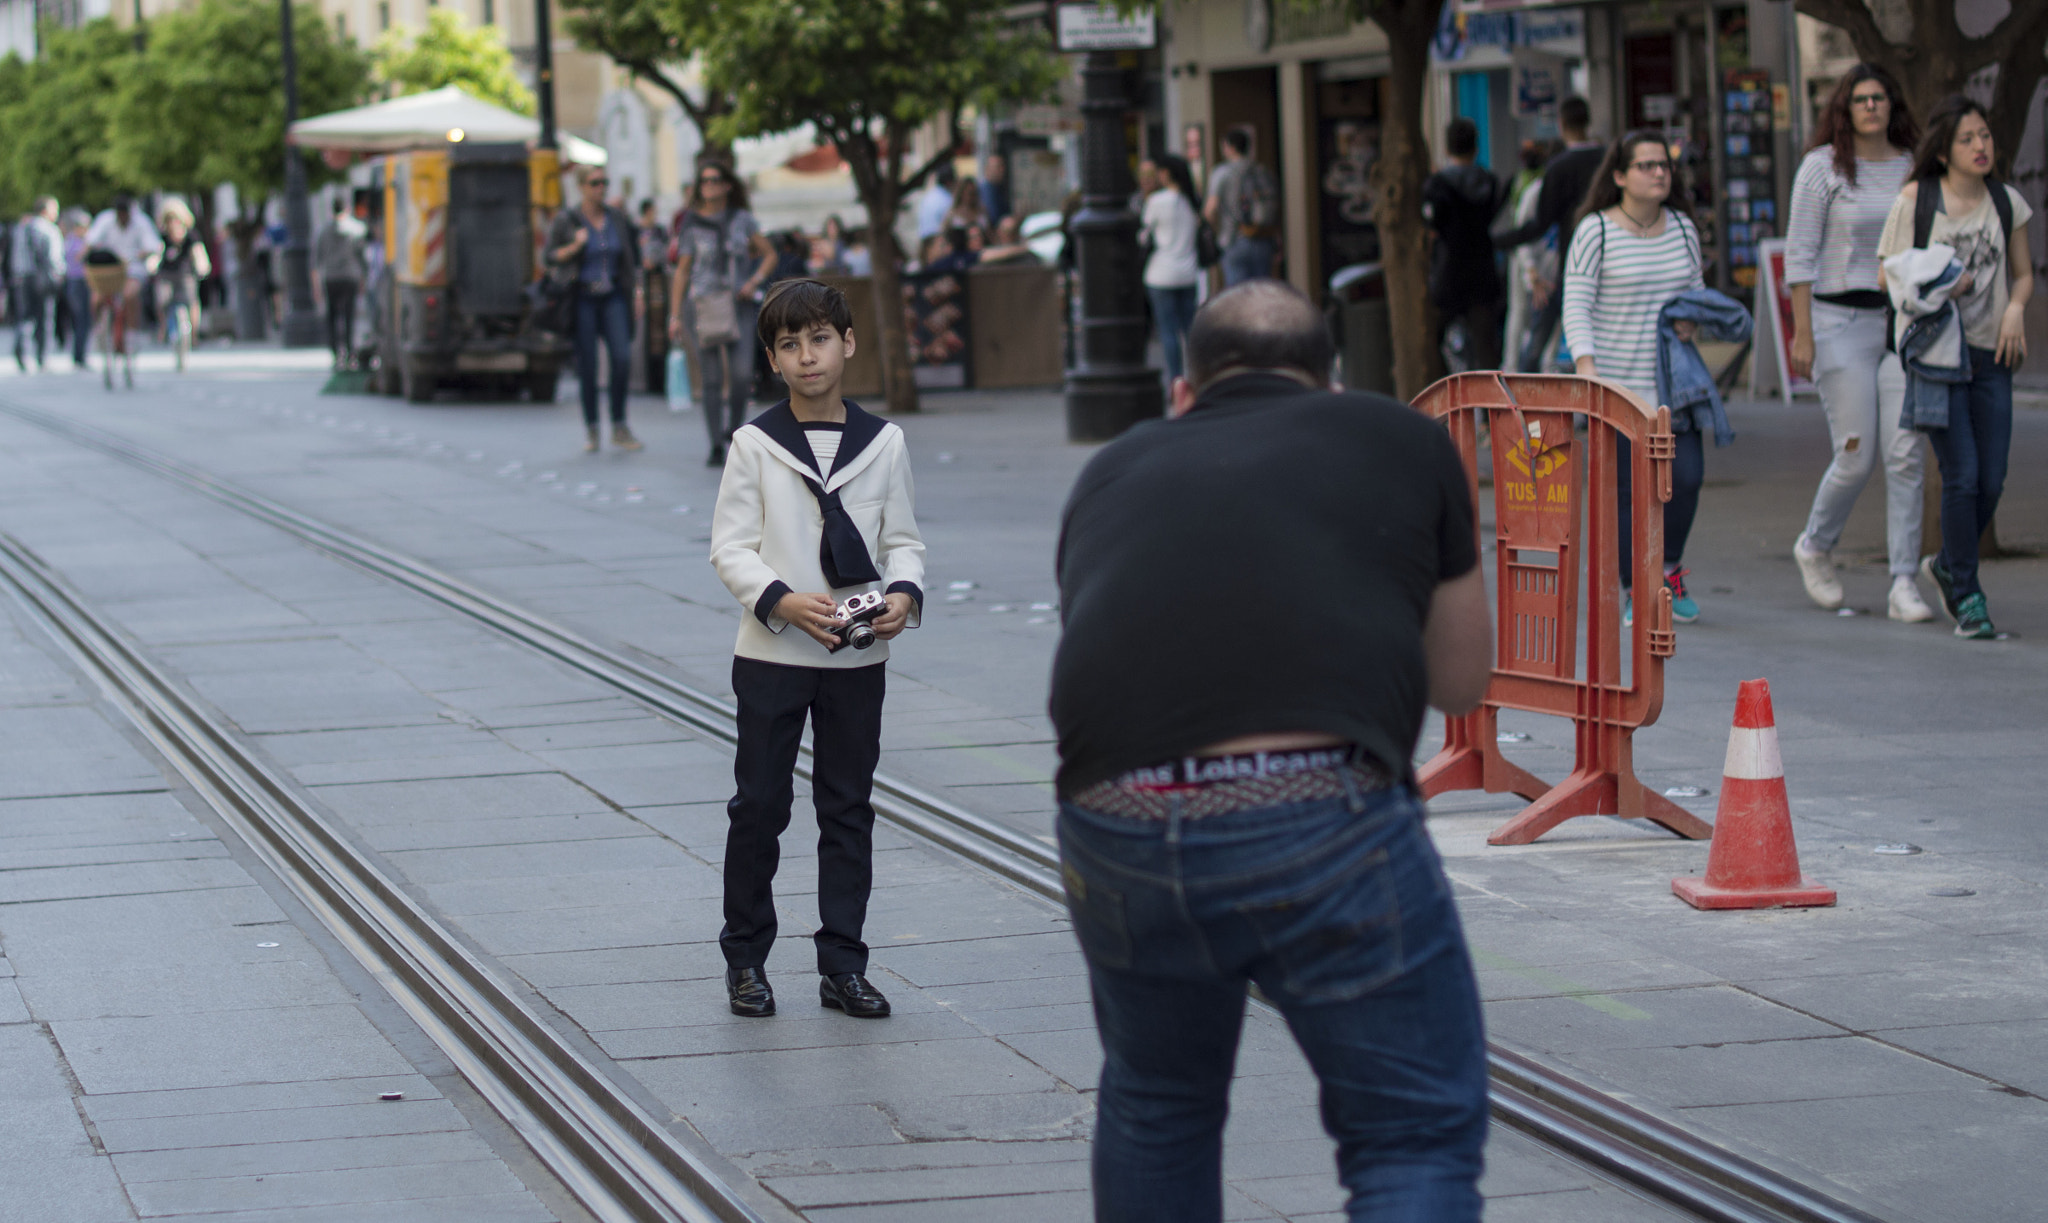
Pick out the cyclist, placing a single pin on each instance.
(125, 232)
(179, 270)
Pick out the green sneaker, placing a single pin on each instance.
(1628, 610)
(1684, 609)
(1973, 619)
(1937, 573)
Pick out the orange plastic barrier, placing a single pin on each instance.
(1543, 476)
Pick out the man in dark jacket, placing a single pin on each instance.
(1565, 181)
(1460, 201)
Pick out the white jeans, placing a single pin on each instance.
(1863, 391)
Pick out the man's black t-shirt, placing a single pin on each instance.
(1263, 564)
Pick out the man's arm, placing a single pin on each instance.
(1457, 643)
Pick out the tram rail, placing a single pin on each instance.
(593, 1135)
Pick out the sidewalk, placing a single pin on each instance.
(1883, 1045)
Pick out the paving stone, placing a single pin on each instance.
(460, 799)
(916, 1156)
(663, 962)
(1023, 1208)
(700, 1038)
(1656, 1019)
(203, 1049)
(166, 849)
(1842, 1067)
(490, 1208)
(215, 1130)
(255, 1097)
(118, 879)
(364, 1188)
(49, 1171)
(962, 1186)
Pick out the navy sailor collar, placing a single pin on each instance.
(786, 431)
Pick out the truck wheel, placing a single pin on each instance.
(418, 385)
(541, 386)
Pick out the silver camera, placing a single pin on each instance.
(856, 612)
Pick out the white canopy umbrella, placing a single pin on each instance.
(438, 116)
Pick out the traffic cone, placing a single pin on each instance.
(1753, 863)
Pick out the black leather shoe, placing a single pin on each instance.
(850, 992)
(749, 992)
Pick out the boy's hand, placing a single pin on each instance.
(813, 614)
(891, 622)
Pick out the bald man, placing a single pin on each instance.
(1260, 596)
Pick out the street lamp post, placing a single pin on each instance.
(1110, 387)
(302, 324)
(544, 72)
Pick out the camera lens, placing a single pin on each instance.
(860, 636)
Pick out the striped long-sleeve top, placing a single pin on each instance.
(1614, 285)
(1831, 234)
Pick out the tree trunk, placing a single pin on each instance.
(879, 195)
(1397, 189)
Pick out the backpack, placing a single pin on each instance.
(1926, 202)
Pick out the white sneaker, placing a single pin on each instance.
(1817, 570)
(1907, 604)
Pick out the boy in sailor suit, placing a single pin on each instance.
(814, 507)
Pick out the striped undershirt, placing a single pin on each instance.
(1614, 285)
(1831, 235)
(824, 439)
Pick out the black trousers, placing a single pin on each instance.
(845, 711)
(341, 316)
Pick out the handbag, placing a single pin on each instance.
(717, 318)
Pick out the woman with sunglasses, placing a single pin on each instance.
(715, 298)
(1631, 253)
(1844, 190)
(595, 245)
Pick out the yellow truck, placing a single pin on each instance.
(463, 224)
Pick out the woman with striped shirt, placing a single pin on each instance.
(1630, 254)
(1845, 188)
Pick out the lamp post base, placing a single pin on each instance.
(1103, 401)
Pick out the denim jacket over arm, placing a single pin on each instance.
(1683, 381)
(1928, 331)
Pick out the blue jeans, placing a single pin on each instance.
(1172, 309)
(1247, 259)
(1339, 910)
(607, 320)
(1973, 452)
(728, 378)
(1688, 476)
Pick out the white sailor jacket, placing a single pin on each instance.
(768, 527)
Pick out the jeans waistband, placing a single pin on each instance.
(1143, 800)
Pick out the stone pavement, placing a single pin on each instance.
(577, 840)
(1880, 1046)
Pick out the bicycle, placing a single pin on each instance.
(109, 283)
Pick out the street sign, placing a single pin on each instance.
(1099, 27)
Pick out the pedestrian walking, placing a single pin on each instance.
(179, 271)
(1954, 202)
(125, 233)
(1460, 201)
(594, 248)
(1244, 209)
(995, 189)
(1566, 179)
(338, 255)
(814, 511)
(1236, 799)
(77, 293)
(936, 204)
(1631, 254)
(722, 260)
(1173, 270)
(37, 266)
(1860, 158)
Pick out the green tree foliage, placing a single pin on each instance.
(54, 111)
(652, 39)
(867, 74)
(448, 52)
(204, 103)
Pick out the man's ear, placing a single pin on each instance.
(1183, 398)
(847, 335)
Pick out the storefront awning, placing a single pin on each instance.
(426, 119)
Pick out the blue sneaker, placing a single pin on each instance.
(1683, 609)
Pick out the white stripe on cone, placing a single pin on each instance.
(1753, 754)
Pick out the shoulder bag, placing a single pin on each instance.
(716, 315)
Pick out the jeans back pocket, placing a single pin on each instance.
(1332, 937)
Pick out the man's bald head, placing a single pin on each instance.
(1260, 324)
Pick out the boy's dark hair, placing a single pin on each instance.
(1260, 324)
(1573, 115)
(796, 305)
(1461, 138)
(1239, 139)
